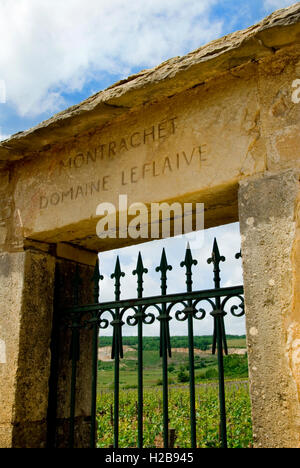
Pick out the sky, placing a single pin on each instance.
(54, 54)
(201, 244)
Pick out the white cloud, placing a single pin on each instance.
(231, 275)
(3, 136)
(277, 4)
(51, 47)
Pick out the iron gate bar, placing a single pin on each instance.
(91, 317)
(188, 263)
(126, 304)
(140, 316)
(117, 348)
(165, 344)
(219, 339)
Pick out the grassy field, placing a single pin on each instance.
(236, 367)
(237, 343)
(152, 369)
(207, 404)
(207, 414)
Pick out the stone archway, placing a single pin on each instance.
(219, 126)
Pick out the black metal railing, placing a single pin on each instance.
(92, 317)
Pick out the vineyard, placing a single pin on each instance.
(239, 424)
(207, 413)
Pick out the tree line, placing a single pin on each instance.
(152, 343)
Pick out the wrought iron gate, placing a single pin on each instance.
(79, 317)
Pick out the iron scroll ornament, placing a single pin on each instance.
(196, 305)
(234, 307)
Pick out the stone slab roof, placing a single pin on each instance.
(178, 74)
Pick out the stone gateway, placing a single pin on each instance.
(220, 127)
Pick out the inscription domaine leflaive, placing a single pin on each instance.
(133, 175)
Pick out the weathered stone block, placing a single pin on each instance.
(6, 431)
(4, 180)
(26, 298)
(268, 220)
(3, 233)
(11, 290)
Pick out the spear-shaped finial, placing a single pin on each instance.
(216, 259)
(117, 347)
(118, 274)
(164, 318)
(219, 337)
(238, 255)
(163, 268)
(140, 271)
(96, 278)
(188, 263)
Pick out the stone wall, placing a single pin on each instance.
(26, 291)
(270, 247)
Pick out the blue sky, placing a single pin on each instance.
(55, 54)
(201, 246)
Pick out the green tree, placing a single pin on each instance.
(182, 375)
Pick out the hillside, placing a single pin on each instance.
(152, 343)
(236, 364)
